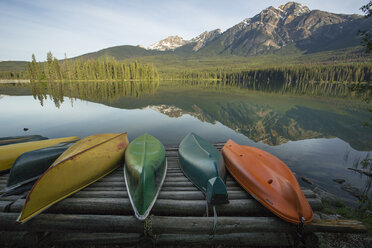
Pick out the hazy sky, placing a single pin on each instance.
(76, 27)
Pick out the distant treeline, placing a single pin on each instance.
(330, 79)
(14, 75)
(289, 74)
(79, 69)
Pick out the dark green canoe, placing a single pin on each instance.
(203, 165)
(144, 172)
(19, 139)
(30, 166)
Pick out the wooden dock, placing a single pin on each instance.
(101, 214)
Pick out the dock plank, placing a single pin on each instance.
(102, 213)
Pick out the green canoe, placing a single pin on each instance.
(30, 166)
(19, 139)
(144, 172)
(203, 165)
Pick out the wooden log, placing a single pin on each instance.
(13, 239)
(169, 225)
(336, 226)
(3, 204)
(175, 195)
(89, 239)
(361, 171)
(73, 223)
(90, 188)
(164, 188)
(231, 240)
(164, 207)
(183, 183)
(225, 225)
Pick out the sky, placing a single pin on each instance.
(75, 27)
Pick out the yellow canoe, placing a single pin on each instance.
(85, 162)
(9, 153)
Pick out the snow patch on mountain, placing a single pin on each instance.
(170, 43)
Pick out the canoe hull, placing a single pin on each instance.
(268, 180)
(30, 166)
(85, 162)
(20, 139)
(9, 153)
(144, 172)
(203, 165)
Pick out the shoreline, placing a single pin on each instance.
(14, 81)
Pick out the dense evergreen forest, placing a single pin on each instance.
(339, 78)
(358, 72)
(97, 70)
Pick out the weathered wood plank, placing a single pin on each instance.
(184, 183)
(164, 207)
(175, 195)
(89, 239)
(169, 225)
(73, 223)
(336, 226)
(225, 225)
(3, 204)
(13, 239)
(235, 239)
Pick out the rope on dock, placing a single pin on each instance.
(147, 227)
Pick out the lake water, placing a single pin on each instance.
(316, 136)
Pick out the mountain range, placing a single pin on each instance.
(290, 26)
(290, 29)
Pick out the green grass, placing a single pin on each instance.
(359, 213)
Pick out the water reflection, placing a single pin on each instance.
(266, 117)
(338, 89)
(91, 91)
(311, 134)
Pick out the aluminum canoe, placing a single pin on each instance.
(85, 162)
(144, 172)
(268, 180)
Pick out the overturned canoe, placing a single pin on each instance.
(82, 164)
(30, 166)
(9, 153)
(144, 172)
(203, 165)
(268, 180)
(19, 139)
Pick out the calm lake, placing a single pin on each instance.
(318, 137)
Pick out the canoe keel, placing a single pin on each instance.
(216, 191)
(145, 191)
(144, 172)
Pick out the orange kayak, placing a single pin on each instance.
(268, 180)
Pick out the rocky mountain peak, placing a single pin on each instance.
(204, 38)
(294, 8)
(169, 43)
